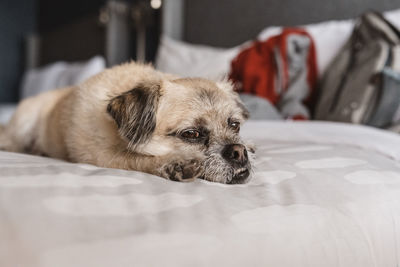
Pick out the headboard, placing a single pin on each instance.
(228, 23)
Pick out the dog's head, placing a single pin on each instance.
(186, 117)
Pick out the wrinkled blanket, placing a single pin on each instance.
(323, 194)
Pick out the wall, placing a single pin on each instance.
(17, 18)
(53, 14)
(231, 22)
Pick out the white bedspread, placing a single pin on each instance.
(323, 194)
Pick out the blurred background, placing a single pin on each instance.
(35, 33)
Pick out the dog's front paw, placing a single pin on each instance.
(183, 170)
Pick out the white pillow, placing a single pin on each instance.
(59, 74)
(188, 60)
(6, 112)
(329, 36)
(393, 17)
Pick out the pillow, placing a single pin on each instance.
(59, 74)
(393, 17)
(6, 112)
(189, 60)
(329, 36)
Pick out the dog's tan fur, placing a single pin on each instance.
(97, 122)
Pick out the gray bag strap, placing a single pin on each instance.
(388, 31)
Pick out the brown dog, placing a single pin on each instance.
(133, 117)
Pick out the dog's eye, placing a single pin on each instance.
(191, 134)
(234, 125)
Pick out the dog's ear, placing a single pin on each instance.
(135, 113)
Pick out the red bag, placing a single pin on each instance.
(271, 69)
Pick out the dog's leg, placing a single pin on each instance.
(182, 170)
(172, 167)
(7, 141)
(18, 134)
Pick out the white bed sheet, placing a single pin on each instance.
(323, 194)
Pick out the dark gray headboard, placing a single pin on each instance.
(228, 23)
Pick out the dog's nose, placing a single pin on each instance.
(235, 153)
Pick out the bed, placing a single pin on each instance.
(322, 194)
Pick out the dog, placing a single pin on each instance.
(135, 118)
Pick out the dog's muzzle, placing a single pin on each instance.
(236, 155)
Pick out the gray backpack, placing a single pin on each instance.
(362, 84)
